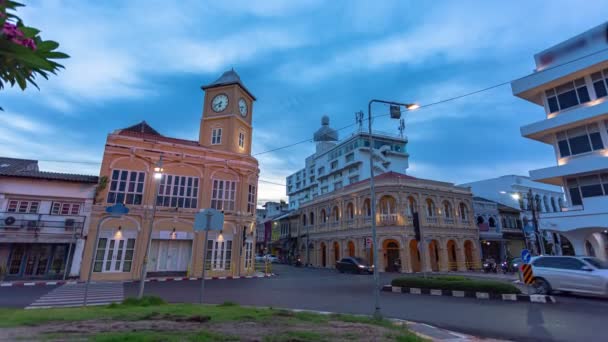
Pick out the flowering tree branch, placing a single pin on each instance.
(23, 53)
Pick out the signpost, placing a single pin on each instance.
(115, 211)
(526, 269)
(206, 220)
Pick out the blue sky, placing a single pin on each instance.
(135, 60)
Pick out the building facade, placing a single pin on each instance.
(570, 83)
(43, 219)
(519, 193)
(500, 230)
(337, 164)
(217, 171)
(338, 224)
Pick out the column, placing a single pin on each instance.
(460, 257)
(425, 256)
(404, 254)
(443, 257)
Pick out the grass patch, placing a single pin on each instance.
(228, 303)
(155, 336)
(456, 283)
(144, 301)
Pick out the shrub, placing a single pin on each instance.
(144, 301)
(454, 284)
(229, 303)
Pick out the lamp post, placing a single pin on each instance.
(532, 204)
(395, 111)
(158, 174)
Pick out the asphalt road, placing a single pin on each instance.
(571, 319)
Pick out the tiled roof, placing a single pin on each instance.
(68, 177)
(141, 127)
(481, 199)
(386, 175)
(229, 77)
(14, 164)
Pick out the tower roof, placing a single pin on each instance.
(141, 127)
(229, 77)
(325, 133)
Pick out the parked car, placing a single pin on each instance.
(580, 274)
(259, 258)
(354, 265)
(516, 264)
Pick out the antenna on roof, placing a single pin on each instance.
(401, 127)
(359, 120)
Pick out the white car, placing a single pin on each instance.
(580, 274)
(271, 258)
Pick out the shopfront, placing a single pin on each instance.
(170, 254)
(36, 260)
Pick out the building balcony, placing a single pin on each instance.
(448, 220)
(18, 227)
(465, 222)
(592, 162)
(387, 219)
(592, 214)
(432, 220)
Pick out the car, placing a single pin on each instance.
(354, 265)
(579, 274)
(516, 264)
(259, 258)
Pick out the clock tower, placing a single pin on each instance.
(227, 115)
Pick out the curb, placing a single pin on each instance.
(545, 299)
(40, 283)
(73, 282)
(162, 279)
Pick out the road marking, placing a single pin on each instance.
(70, 295)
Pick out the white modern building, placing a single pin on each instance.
(514, 191)
(571, 83)
(336, 164)
(44, 217)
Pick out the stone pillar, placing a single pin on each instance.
(425, 256)
(404, 254)
(443, 258)
(461, 258)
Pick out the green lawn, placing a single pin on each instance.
(226, 322)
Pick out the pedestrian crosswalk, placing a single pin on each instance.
(70, 295)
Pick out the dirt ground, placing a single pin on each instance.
(244, 330)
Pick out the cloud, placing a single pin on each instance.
(265, 8)
(22, 123)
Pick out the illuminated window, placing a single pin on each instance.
(242, 140)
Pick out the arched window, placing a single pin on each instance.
(336, 214)
(350, 211)
(312, 218)
(411, 206)
(546, 202)
(447, 209)
(367, 208)
(323, 216)
(480, 220)
(553, 204)
(387, 205)
(463, 211)
(492, 222)
(430, 208)
(304, 220)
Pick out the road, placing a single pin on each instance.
(571, 319)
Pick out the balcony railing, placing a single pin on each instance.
(448, 220)
(40, 225)
(432, 220)
(387, 219)
(465, 222)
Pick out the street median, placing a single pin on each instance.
(459, 286)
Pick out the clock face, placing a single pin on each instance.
(219, 103)
(243, 107)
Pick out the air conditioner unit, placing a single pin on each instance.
(69, 224)
(9, 221)
(32, 224)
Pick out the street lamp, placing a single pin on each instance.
(158, 174)
(395, 112)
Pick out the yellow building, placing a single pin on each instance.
(217, 171)
(337, 225)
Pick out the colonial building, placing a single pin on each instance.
(336, 164)
(518, 193)
(43, 218)
(570, 82)
(338, 224)
(215, 171)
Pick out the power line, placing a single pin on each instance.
(380, 115)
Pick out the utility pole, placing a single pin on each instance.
(540, 240)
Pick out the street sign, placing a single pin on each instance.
(117, 210)
(527, 275)
(526, 256)
(528, 228)
(208, 219)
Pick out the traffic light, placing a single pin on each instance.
(416, 222)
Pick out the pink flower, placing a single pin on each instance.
(11, 31)
(29, 43)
